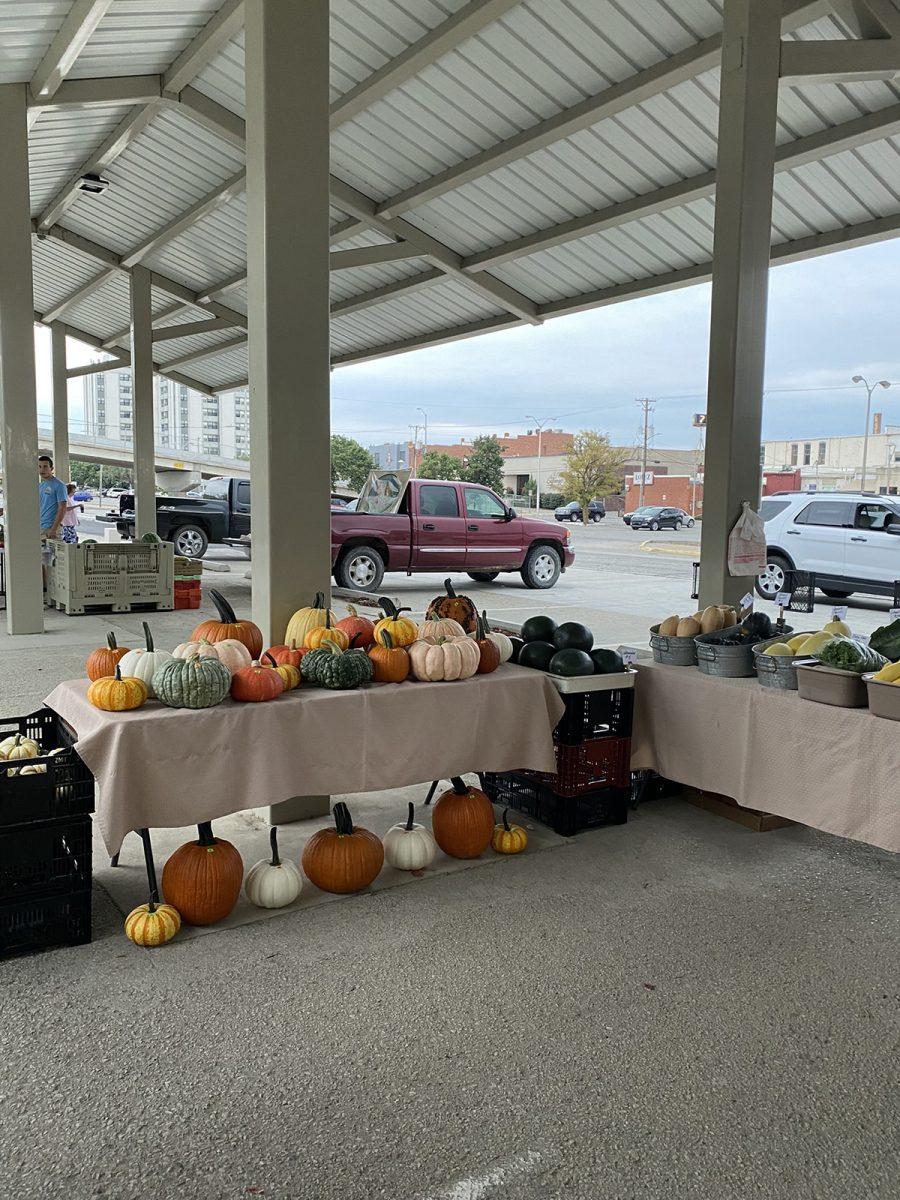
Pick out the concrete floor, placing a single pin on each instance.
(676, 1007)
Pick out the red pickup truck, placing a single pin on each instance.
(447, 527)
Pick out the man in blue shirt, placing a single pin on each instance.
(53, 495)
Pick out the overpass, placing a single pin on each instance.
(177, 470)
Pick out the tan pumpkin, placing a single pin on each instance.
(508, 839)
(117, 694)
(435, 627)
(463, 820)
(305, 619)
(152, 924)
(343, 859)
(456, 658)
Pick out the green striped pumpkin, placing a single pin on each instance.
(192, 683)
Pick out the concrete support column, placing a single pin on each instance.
(142, 402)
(60, 402)
(18, 396)
(287, 68)
(747, 110)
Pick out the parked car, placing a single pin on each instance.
(849, 540)
(572, 511)
(656, 517)
(626, 517)
(83, 497)
(440, 527)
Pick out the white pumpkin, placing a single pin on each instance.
(271, 883)
(34, 769)
(230, 652)
(453, 658)
(143, 664)
(500, 640)
(18, 746)
(409, 847)
(439, 627)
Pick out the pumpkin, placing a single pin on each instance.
(390, 663)
(500, 640)
(508, 839)
(344, 859)
(408, 846)
(403, 631)
(117, 694)
(255, 683)
(202, 879)
(325, 633)
(337, 669)
(192, 682)
(143, 664)
(271, 883)
(230, 651)
(360, 630)
(32, 769)
(228, 626)
(458, 608)
(152, 924)
(457, 658)
(102, 663)
(463, 821)
(435, 627)
(18, 746)
(488, 651)
(290, 675)
(287, 654)
(305, 619)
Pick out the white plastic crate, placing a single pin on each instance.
(119, 575)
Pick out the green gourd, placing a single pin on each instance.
(192, 683)
(335, 668)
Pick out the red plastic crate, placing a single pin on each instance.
(595, 763)
(186, 586)
(184, 601)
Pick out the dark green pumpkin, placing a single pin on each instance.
(538, 629)
(571, 662)
(606, 662)
(336, 669)
(517, 645)
(536, 655)
(571, 635)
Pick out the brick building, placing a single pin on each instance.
(676, 491)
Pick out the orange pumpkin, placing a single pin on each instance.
(289, 674)
(287, 654)
(457, 608)
(255, 683)
(360, 630)
(102, 663)
(344, 859)
(390, 663)
(202, 879)
(463, 821)
(317, 637)
(228, 626)
(489, 652)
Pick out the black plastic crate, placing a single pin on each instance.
(565, 815)
(596, 714)
(45, 857)
(648, 785)
(586, 766)
(38, 922)
(66, 789)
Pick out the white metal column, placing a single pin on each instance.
(287, 73)
(142, 403)
(60, 402)
(747, 110)
(18, 397)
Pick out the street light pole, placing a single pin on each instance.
(870, 388)
(540, 427)
(425, 434)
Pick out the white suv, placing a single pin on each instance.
(850, 540)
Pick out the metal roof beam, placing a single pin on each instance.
(344, 230)
(75, 297)
(869, 18)
(464, 24)
(108, 364)
(217, 198)
(220, 289)
(353, 304)
(170, 310)
(110, 90)
(424, 341)
(370, 256)
(839, 61)
(81, 20)
(214, 36)
(687, 63)
(207, 352)
(233, 385)
(190, 329)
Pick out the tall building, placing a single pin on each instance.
(390, 455)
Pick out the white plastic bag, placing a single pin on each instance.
(747, 544)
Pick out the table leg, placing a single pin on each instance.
(114, 861)
(144, 835)
(431, 791)
(299, 808)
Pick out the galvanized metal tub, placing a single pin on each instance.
(726, 662)
(776, 671)
(674, 651)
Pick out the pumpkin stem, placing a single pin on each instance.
(223, 608)
(118, 674)
(273, 842)
(449, 589)
(268, 655)
(386, 640)
(353, 639)
(293, 643)
(148, 637)
(342, 820)
(352, 610)
(505, 822)
(111, 641)
(409, 819)
(388, 607)
(206, 834)
(151, 907)
(459, 786)
(327, 618)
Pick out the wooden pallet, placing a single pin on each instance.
(724, 806)
(74, 610)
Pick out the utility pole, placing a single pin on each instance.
(540, 426)
(425, 434)
(415, 453)
(648, 406)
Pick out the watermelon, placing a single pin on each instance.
(606, 662)
(517, 645)
(571, 662)
(573, 636)
(538, 629)
(536, 655)
(151, 537)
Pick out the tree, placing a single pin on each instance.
(88, 474)
(485, 464)
(350, 462)
(436, 464)
(594, 468)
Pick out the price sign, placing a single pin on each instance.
(894, 614)
(628, 655)
(783, 599)
(839, 612)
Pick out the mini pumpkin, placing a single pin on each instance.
(256, 683)
(228, 627)
(290, 675)
(305, 619)
(343, 859)
(463, 821)
(360, 630)
(488, 651)
(271, 883)
(500, 640)
(435, 627)
(144, 663)
(390, 663)
(19, 746)
(102, 663)
(409, 846)
(117, 694)
(459, 608)
(326, 633)
(232, 653)
(403, 631)
(456, 658)
(33, 769)
(152, 924)
(192, 683)
(508, 839)
(202, 879)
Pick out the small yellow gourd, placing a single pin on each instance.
(508, 839)
(115, 694)
(152, 924)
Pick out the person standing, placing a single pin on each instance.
(53, 498)
(68, 527)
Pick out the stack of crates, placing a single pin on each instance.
(45, 839)
(187, 582)
(592, 782)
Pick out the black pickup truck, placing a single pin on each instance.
(221, 513)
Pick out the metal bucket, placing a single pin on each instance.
(776, 671)
(727, 662)
(674, 651)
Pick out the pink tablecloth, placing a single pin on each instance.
(159, 766)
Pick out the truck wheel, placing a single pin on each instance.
(361, 569)
(190, 541)
(483, 576)
(541, 568)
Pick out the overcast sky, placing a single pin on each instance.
(829, 318)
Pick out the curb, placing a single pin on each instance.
(678, 549)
